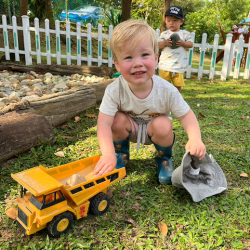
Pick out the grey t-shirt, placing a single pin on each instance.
(163, 99)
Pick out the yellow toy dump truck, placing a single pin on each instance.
(53, 197)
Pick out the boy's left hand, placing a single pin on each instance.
(196, 148)
(180, 43)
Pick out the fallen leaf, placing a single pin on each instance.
(77, 119)
(212, 207)
(129, 220)
(243, 118)
(214, 117)
(163, 228)
(64, 126)
(90, 115)
(180, 226)
(244, 175)
(60, 154)
(201, 115)
(110, 194)
(217, 123)
(11, 212)
(203, 125)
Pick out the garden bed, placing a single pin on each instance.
(44, 100)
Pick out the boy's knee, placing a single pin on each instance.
(161, 125)
(120, 120)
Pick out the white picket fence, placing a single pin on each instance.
(226, 70)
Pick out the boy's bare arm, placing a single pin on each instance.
(191, 126)
(108, 160)
(184, 44)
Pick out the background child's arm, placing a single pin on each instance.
(108, 159)
(165, 43)
(191, 126)
(184, 44)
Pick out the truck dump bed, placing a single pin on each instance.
(76, 178)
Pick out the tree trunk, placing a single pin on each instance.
(126, 9)
(23, 11)
(49, 14)
(39, 9)
(167, 5)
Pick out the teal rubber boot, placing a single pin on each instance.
(164, 162)
(122, 152)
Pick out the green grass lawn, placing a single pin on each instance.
(139, 203)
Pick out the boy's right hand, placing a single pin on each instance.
(106, 164)
(168, 42)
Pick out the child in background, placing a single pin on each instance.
(173, 62)
(234, 29)
(136, 106)
(241, 30)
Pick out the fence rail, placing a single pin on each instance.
(37, 54)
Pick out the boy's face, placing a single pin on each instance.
(137, 65)
(173, 23)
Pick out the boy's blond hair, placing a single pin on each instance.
(132, 31)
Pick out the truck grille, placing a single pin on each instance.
(23, 217)
(21, 226)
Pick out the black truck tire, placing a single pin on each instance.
(60, 224)
(99, 204)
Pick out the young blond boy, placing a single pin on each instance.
(173, 62)
(136, 106)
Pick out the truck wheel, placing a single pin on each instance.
(99, 204)
(60, 224)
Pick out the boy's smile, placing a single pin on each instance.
(137, 65)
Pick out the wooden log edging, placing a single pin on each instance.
(59, 69)
(58, 108)
(20, 130)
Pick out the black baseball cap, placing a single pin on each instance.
(175, 11)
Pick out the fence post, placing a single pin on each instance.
(230, 62)
(58, 45)
(203, 48)
(246, 73)
(38, 47)
(6, 42)
(214, 53)
(68, 44)
(99, 45)
(47, 35)
(89, 45)
(110, 58)
(190, 58)
(227, 49)
(78, 37)
(238, 57)
(26, 39)
(15, 36)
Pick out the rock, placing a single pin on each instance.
(174, 38)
